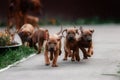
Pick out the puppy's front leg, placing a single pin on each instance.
(90, 51)
(54, 63)
(84, 53)
(47, 62)
(66, 54)
(77, 56)
(73, 55)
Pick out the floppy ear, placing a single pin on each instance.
(46, 35)
(91, 30)
(81, 29)
(77, 31)
(60, 37)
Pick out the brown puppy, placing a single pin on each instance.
(39, 36)
(25, 31)
(85, 41)
(70, 44)
(52, 46)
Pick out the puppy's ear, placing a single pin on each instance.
(81, 29)
(60, 37)
(46, 30)
(77, 31)
(91, 30)
(46, 35)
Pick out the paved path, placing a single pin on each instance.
(101, 66)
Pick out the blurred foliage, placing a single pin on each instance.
(4, 39)
(2, 24)
(80, 21)
(11, 56)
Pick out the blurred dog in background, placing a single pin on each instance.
(18, 12)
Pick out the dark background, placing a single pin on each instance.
(73, 9)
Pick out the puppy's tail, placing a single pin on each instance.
(51, 56)
(60, 31)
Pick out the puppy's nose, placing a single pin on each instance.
(71, 38)
(52, 49)
(89, 40)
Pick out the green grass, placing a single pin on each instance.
(11, 56)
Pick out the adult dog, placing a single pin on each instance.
(85, 42)
(18, 11)
(70, 44)
(53, 46)
(25, 31)
(39, 36)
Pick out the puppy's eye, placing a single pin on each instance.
(85, 35)
(68, 32)
(55, 43)
(90, 34)
(49, 42)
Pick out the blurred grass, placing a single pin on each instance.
(11, 56)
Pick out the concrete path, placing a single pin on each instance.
(103, 65)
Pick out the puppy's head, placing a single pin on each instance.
(71, 33)
(45, 33)
(24, 35)
(53, 43)
(86, 34)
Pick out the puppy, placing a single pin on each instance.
(85, 41)
(52, 47)
(70, 44)
(39, 36)
(25, 31)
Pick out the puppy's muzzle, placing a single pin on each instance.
(71, 37)
(89, 39)
(51, 47)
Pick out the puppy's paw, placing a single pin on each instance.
(85, 58)
(47, 64)
(73, 60)
(89, 55)
(70, 55)
(65, 59)
(78, 59)
(54, 65)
